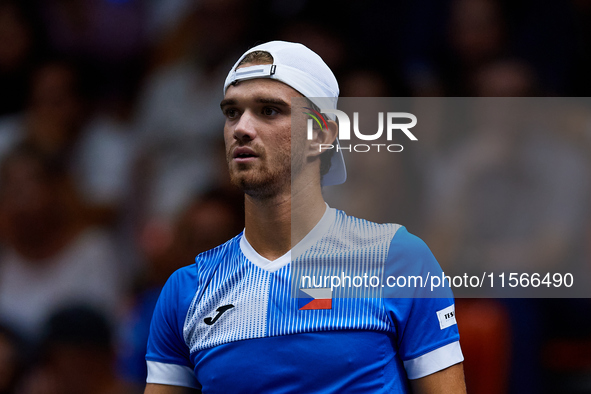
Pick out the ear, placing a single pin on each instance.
(324, 138)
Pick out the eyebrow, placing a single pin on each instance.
(226, 102)
(275, 101)
(261, 100)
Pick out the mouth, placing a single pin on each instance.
(244, 154)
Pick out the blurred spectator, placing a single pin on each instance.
(477, 33)
(102, 167)
(504, 78)
(56, 111)
(458, 37)
(209, 221)
(486, 184)
(517, 196)
(447, 41)
(51, 256)
(179, 123)
(97, 153)
(18, 45)
(319, 38)
(76, 356)
(163, 16)
(512, 196)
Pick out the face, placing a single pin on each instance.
(258, 136)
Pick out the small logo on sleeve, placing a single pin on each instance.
(319, 298)
(209, 321)
(447, 317)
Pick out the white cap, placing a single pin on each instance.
(299, 67)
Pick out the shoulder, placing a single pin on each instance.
(213, 257)
(178, 290)
(408, 244)
(182, 278)
(186, 281)
(356, 233)
(410, 257)
(410, 254)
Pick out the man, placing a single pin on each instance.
(229, 322)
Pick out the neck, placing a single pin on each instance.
(273, 226)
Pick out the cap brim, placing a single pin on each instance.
(338, 172)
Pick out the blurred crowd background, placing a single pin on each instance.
(113, 172)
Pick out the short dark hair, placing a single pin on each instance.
(256, 57)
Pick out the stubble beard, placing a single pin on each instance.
(262, 180)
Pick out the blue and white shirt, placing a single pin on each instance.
(230, 322)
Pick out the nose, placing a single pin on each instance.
(245, 129)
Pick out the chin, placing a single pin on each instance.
(259, 186)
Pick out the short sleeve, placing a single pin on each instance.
(168, 356)
(426, 330)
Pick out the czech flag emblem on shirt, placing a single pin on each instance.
(317, 298)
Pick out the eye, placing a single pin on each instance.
(230, 113)
(270, 111)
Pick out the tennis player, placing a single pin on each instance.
(230, 323)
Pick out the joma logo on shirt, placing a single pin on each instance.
(209, 321)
